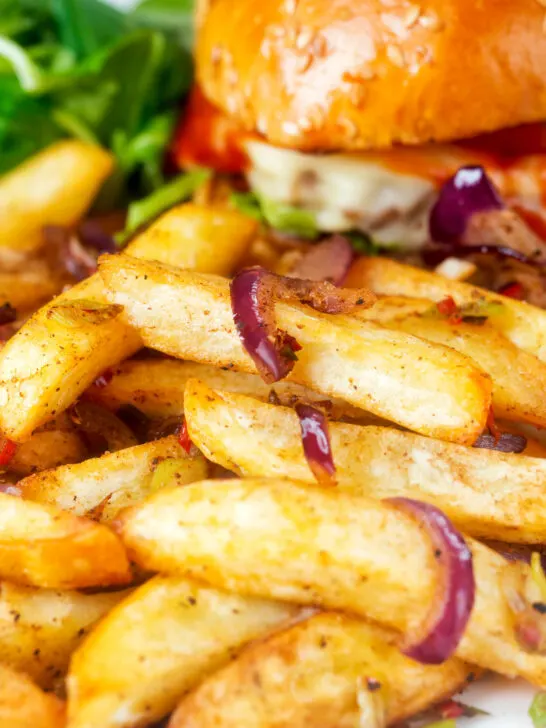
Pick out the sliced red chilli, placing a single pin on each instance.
(184, 436)
(513, 289)
(7, 451)
(253, 295)
(329, 260)
(441, 631)
(315, 439)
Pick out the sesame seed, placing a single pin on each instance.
(304, 38)
(412, 16)
(395, 56)
(431, 21)
(304, 63)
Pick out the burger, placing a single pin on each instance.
(358, 116)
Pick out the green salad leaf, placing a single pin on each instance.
(537, 711)
(175, 191)
(280, 216)
(80, 68)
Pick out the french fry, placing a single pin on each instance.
(284, 540)
(55, 187)
(46, 449)
(48, 364)
(23, 704)
(312, 673)
(426, 387)
(519, 378)
(28, 288)
(157, 644)
(44, 546)
(523, 324)
(205, 238)
(101, 487)
(487, 493)
(39, 628)
(156, 387)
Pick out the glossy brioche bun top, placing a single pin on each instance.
(361, 74)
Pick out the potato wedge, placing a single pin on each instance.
(523, 324)
(101, 487)
(40, 628)
(55, 187)
(487, 493)
(44, 546)
(303, 544)
(24, 705)
(310, 675)
(156, 387)
(519, 378)
(205, 238)
(425, 387)
(48, 364)
(157, 644)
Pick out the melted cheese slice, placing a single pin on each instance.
(385, 194)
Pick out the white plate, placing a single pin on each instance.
(507, 701)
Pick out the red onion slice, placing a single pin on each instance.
(506, 442)
(93, 235)
(443, 628)
(315, 439)
(253, 295)
(468, 192)
(7, 314)
(329, 260)
(7, 451)
(253, 309)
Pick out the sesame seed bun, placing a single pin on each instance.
(364, 74)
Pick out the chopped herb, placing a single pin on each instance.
(363, 244)
(474, 320)
(288, 353)
(537, 711)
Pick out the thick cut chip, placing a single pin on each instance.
(523, 324)
(101, 487)
(422, 386)
(47, 365)
(312, 673)
(55, 187)
(40, 628)
(487, 493)
(24, 705)
(156, 387)
(44, 546)
(308, 545)
(519, 378)
(157, 644)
